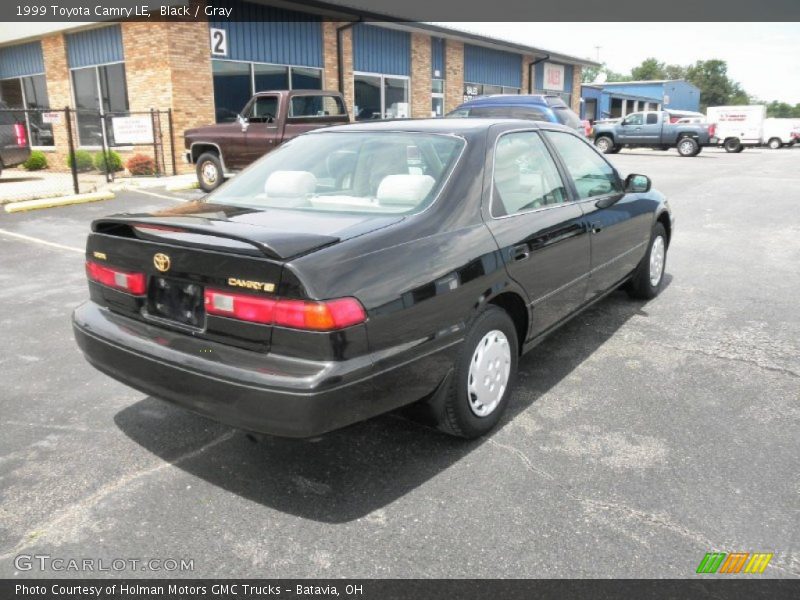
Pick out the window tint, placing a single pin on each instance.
(231, 88)
(529, 112)
(263, 108)
(525, 176)
(634, 119)
(488, 112)
(592, 175)
(316, 106)
(459, 113)
(652, 118)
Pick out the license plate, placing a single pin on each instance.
(175, 300)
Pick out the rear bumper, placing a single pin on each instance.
(249, 390)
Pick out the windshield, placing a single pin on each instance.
(375, 172)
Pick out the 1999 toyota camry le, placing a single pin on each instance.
(362, 268)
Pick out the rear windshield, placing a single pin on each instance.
(365, 172)
(566, 117)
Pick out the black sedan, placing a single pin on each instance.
(362, 268)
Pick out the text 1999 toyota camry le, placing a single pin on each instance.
(361, 268)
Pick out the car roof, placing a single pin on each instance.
(442, 125)
(506, 99)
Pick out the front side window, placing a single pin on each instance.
(316, 106)
(262, 109)
(592, 175)
(524, 176)
(369, 172)
(634, 119)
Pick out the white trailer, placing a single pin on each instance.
(780, 132)
(738, 126)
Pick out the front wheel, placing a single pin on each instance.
(733, 145)
(648, 279)
(688, 147)
(775, 143)
(209, 171)
(484, 373)
(605, 144)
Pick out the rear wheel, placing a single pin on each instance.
(688, 147)
(732, 145)
(485, 370)
(605, 144)
(209, 171)
(775, 143)
(648, 278)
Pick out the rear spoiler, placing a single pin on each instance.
(269, 242)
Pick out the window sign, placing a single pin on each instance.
(553, 77)
(219, 42)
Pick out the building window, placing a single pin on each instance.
(437, 98)
(99, 90)
(473, 90)
(380, 97)
(30, 93)
(235, 82)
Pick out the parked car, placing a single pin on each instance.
(779, 133)
(549, 108)
(652, 130)
(14, 146)
(267, 120)
(366, 267)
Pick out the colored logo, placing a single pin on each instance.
(734, 562)
(161, 261)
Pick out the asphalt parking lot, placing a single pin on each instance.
(640, 436)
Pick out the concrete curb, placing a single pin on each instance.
(179, 187)
(23, 205)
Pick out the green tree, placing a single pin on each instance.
(590, 74)
(649, 70)
(716, 88)
(783, 110)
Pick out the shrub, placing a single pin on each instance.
(82, 160)
(111, 158)
(36, 161)
(141, 164)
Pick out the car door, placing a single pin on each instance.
(538, 228)
(262, 131)
(630, 130)
(651, 129)
(619, 223)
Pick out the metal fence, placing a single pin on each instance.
(46, 152)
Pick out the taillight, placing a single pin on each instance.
(133, 283)
(22, 137)
(712, 129)
(296, 314)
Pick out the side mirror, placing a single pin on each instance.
(242, 121)
(637, 184)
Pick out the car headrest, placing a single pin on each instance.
(406, 190)
(290, 184)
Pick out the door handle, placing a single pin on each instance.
(595, 227)
(520, 252)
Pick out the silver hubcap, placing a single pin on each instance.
(687, 147)
(603, 144)
(657, 255)
(489, 371)
(209, 171)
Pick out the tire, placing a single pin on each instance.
(775, 143)
(688, 147)
(732, 145)
(739, 149)
(209, 171)
(643, 284)
(615, 149)
(605, 144)
(461, 413)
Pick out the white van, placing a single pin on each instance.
(738, 126)
(780, 132)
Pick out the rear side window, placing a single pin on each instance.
(459, 113)
(488, 112)
(316, 106)
(524, 176)
(652, 118)
(592, 175)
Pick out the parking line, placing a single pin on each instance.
(157, 195)
(28, 238)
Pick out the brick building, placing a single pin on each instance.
(204, 71)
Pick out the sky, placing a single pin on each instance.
(763, 57)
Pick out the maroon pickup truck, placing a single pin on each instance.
(266, 121)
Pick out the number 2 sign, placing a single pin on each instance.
(219, 42)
